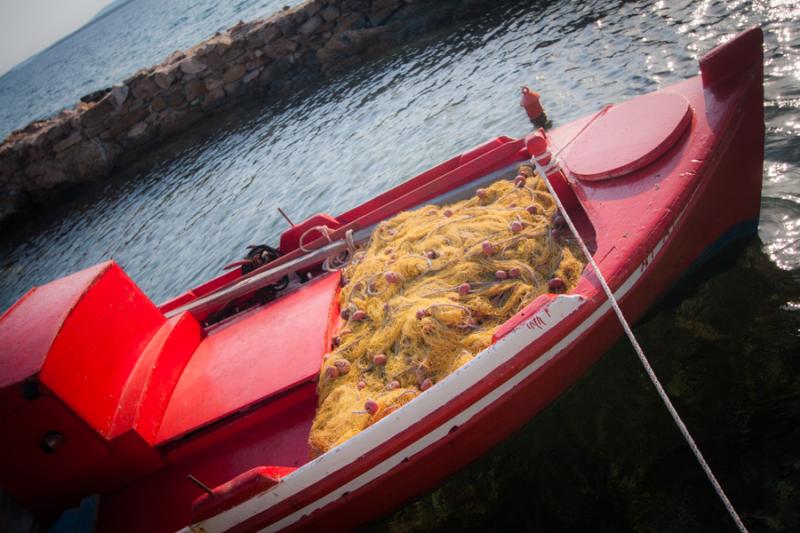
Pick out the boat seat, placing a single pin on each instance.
(259, 355)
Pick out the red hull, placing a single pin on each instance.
(194, 409)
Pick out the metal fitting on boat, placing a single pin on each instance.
(52, 441)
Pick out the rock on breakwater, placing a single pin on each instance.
(255, 59)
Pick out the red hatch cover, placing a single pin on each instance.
(629, 136)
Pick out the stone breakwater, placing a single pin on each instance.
(267, 56)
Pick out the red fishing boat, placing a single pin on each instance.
(196, 413)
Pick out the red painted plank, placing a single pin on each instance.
(260, 354)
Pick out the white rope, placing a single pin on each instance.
(334, 263)
(324, 230)
(642, 357)
(597, 115)
(351, 245)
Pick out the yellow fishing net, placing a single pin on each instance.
(428, 292)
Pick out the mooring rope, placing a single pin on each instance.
(536, 161)
(324, 230)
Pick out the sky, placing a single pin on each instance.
(30, 26)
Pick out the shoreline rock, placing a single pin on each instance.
(315, 39)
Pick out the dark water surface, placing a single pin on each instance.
(605, 456)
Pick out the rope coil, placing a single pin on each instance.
(338, 262)
(536, 161)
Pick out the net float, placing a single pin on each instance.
(371, 406)
(342, 365)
